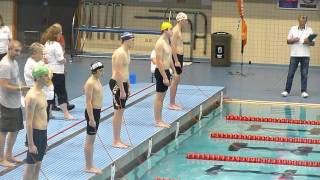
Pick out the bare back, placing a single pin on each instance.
(120, 64)
(93, 89)
(165, 53)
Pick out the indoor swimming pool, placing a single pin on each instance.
(171, 162)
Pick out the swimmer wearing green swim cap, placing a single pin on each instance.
(39, 71)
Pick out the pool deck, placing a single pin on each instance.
(65, 157)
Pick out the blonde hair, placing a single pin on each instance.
(51, 34)
(13, 44)
(58, 26)
(36, 47)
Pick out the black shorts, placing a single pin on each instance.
(40, 141)
(11, 119)
(180, 59)
(96, 116)
(117, 102)
(160, 87)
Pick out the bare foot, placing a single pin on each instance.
(120, 145)
(69, 117)
(6, 163)
(14, 159)
(162, 124)
(93, 170)
(175, 107)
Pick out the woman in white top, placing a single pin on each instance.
(56, 63)
(5, 37)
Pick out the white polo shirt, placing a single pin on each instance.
(28, 67)
(299, 49)
(55, 54)
(5, 35)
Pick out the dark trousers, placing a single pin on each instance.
(59, 83)
(304, 67)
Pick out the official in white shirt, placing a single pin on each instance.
(299, 53)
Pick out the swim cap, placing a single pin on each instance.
(96, 65)
(165, 25)
(181, 16)
(39, 71)
(126, 36)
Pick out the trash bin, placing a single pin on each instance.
(220, 49)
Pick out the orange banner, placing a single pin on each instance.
(240, 7)
(244, 30)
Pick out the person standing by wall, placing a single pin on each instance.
(299, 53)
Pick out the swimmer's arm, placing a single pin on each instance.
(88, 90)
(30, 112)
(117, 63)
(173, 68)
(159, 61)
(174, 45)
(5, 83)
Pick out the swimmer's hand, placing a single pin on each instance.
(33, 149)
(177, 64)
(92, 124)
(123, 94)
(166, 82)
(175, 75)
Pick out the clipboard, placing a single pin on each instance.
(312, 37)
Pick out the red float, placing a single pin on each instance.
(272, 120)
(263, 138)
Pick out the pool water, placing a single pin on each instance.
(171, 162)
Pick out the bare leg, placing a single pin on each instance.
(66, 113)
(3, 159)
(29, 172)
(158, 104)
(88, 151)
(116, 123)
(173, 93)
(37, 170)
(12, 136)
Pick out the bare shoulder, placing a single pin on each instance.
(89, 83)
(176, 29)
(32, 96)
(159, 43)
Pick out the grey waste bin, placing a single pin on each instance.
(220, 49)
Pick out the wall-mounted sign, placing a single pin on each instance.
(299, 4)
